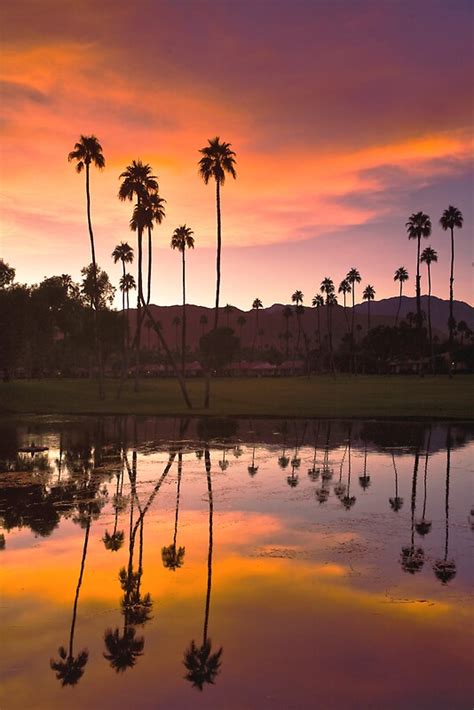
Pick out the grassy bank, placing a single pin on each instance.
(322, 396)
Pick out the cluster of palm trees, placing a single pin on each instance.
(140, 185)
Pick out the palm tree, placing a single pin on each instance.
(418, 226)
(345, 288)
(201, 664)
(297, 299)
(317, 302)
(183, 239)
(123, 252)
(401, 275)
(364, 480)
(368, 295)
(173, 556)
(217, 161)
(353, 277)
(88, 151)
(127, 284)
(70, 669)
(327, 287)
(347, 500)
(450, 219)
(114, 541)
(287, 314)
(428, 257)
(256, 305)
(444, 569)
(138, 183)
(123, 650)
(156, 207)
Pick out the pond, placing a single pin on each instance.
(173, 563)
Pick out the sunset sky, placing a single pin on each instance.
(346, 116)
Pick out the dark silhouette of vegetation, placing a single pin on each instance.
(183, 239)
(452, 218)
(401, 275)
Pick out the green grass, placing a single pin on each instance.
(322, 396)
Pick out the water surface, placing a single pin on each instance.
(167, 563)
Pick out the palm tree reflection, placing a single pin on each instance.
(114, 541)
(444, 569)
(412, 558)
(423, 526)
(396, 502)
(70, 668)
(202, 665)
(173, 556)
(313, 472)
(347, 500)
(364, 480)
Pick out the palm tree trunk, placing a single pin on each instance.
(207, 458)
(448, 471)
(79, 583)
(399, 304)
(140, 302)
(418, 286)
(218, 256)
(451, 292)
(345, 311)
(183, 329)
(178, 490)
(413, 496)
(148, 295)
(368, 315)
(352, 328)
(97, 340)
(430, 333)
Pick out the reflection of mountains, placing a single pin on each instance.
(151, 434)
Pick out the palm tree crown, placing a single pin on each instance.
(353, 276)
(297, 297)
(401, 274)
(369, 293)
(217, 160)
(418, 225)
(182, 238)
(123, 252)
(127, 283)
(137, 182)
(429, 255)
(344, 287)
(451, 218)
(257, 304)
(86, 151)
(317, 301)
(327, 286)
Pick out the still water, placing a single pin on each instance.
(167, 563)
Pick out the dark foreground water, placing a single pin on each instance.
(153, 563)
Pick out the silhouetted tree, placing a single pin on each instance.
(345, 288)
(444, 569)
(450, 219)
(218, 160)
(401, 275)
(412, 558)
(418, 226)
(88, 151)
(368, 295)
(183, 239)
(428, 257)
(353, 277)
(173, 556)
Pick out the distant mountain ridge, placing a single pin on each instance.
(271, 320)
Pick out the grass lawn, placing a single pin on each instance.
(322, 396)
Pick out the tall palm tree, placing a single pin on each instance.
(423, 526)
(345, 288)
(138, 183)
(396, 502)
(127, 284)
(218, 160)
(297, 299)
(88, 151)
(450, 219)
(123, 252)
(428, 257)
(70, 669)
(256, 305)
(444, 569)
(327, 287)
(418, 226)
(201, 664)
(353, 277)
(287, 314)
(173, 556)
(156, 207)
(183, 239)
(317, 302)
(368, 295)
(401, 275)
